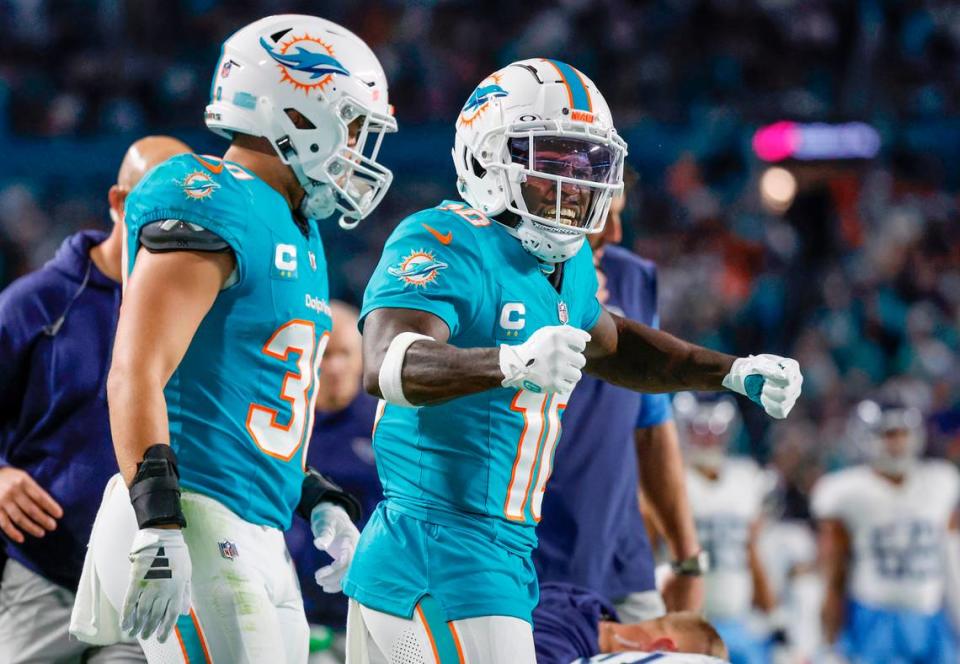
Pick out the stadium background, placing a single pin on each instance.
(858, 277)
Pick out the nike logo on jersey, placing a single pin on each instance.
(213, 168)
(444, 238)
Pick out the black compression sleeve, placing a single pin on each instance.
(318, 489)
(155, 491)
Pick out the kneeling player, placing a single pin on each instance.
(575, 624)
(884, 528)
(477, 324)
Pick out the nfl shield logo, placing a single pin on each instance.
(313, 260)
(228, 550)
(563, 313)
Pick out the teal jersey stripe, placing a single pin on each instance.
(579, 96)
(439, 631)
(190, 638)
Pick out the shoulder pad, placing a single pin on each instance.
(177, 235)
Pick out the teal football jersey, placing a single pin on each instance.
(240, 403)
(488, 454)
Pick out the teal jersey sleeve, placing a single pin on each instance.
(203, 191)
(432, 262)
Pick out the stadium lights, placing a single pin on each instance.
(778, 187)
(816, 141)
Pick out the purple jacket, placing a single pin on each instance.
(56, 337)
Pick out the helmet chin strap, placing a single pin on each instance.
(319, 201)
(548, 246)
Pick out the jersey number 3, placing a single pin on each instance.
(298, 389)
(538, 439)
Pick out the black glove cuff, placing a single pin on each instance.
(155, 491)
(318, 489)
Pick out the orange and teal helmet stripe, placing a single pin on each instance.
(577, 91)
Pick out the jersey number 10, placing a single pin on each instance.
(538, 440)
(298, 389)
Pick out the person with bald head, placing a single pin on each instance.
(340, 447)
(57, 326)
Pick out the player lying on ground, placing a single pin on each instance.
(573, 624)
(477, 325)
(223, 325)
(889, 545)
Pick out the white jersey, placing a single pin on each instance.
(725, 510)
(636, 657)
(896, 531)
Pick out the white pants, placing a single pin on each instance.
(246, 602)
(374, 637)
(34, 614)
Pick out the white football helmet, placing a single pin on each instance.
(540, 121)
(705, 427)
(331, 77)
(895, 435)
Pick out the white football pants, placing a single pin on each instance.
(246, 602)
(374, 637)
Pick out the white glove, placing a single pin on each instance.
(769, 380)
(549, 361)
(333, 532)
(159, 588)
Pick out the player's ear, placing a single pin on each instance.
(116, 197)
(664, 643)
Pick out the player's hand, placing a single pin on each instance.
(769, 380)
(683, 592)
(25, 506)
(333, 532)
(159, 588)
(549, 361)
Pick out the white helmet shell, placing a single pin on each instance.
(329, 76)
(705, 427)
(507, 118)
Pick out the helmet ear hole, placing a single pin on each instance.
(478, 170)
(299, 120)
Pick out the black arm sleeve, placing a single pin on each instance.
(318, 489)
(176, 235)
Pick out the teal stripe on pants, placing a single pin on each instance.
(191, 640)
(440, 631)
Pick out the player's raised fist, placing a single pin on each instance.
(770, 380)
(549, 361)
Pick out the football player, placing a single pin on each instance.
(883, 530)
(478, 321)
(56, 329)
(726, 494)
(223, 325)
(573, 624)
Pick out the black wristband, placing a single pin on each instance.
(155, 491)
(319, 489)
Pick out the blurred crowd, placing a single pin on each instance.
(859, 278)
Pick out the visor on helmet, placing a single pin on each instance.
(567, 180)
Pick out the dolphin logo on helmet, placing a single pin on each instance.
(308, 62)
(483, 94)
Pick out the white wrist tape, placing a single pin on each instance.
(391, 382)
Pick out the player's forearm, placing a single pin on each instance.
(664, 488)
(138, 416)
(650, 360)
(435, 372)
(763, 598)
